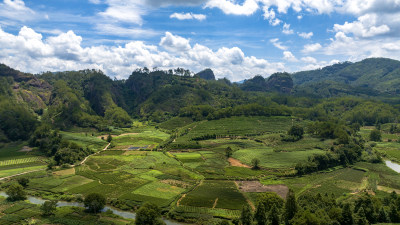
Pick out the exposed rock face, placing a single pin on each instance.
(281, 82)
(206, 74)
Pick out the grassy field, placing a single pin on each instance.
(85, 140)
(271, 159)
(215, 194)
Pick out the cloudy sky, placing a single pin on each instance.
(236, 38)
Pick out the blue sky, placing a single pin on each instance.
(236, 38)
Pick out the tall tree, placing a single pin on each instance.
(247, 215)
(274, 216)
(347, 215)
(290, 206)
(261, 214)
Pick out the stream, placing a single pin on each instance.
(393, 166)
(124, 214)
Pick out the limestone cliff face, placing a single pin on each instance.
(206, 74)
(281, 82)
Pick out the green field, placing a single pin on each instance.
(215, 194)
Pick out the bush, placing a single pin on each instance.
(95, 202)
(149, 214)
(16, 192)
(49, 208)
(375, 135)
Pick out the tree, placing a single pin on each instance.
(49, 208)
(347, 215)
(95, 202)
(109, 138)
(23, 181)
(16, 192)
(361, 218)
(269, 199)
(148, 214)
(383, 216)
(261, 214)
(228, 152)
(290, 206)
(246, 216)
(296, 131)
(394, 214)
(255, 163)
(375, 135)
(274, 216)
(224, 222)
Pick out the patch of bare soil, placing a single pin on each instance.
(237, 163)
(176, 183)
(256, 186)
(25, 149)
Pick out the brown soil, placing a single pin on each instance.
(256, 186)
(25, 149)
(176, 183)
(237, 163)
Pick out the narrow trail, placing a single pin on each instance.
(15, 175)
(215, 203)
(84, 160)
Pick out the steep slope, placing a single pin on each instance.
(376, 74)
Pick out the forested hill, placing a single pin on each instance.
(89, 98)
(371, 76)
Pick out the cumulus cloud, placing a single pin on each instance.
(278, 44)
(286, 29)
(356, 48)
(311, 48)
(365, 26)
(309, 59)
(229, 7)
(306, 35)
(29, 52)
(288, 56)
(188, 16)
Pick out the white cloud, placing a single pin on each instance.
(188, 16)
(129, 11)
(229, 7)
(306, 35)
(286, 29)
(356, 48)
(175, 43)
(312, 47)
(288, 56)
(115, 29)
(16, 10)
(271, 17)
(278, 44)
(364, 27)
(309, 59)
(29, 52)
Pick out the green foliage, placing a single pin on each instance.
(375, 135)
(49, 208)
(16, 192)
(95, 202)
(16, 122)
(247, 215)
(148, 214)
(23, 181)
(228, 152)
(296, 131)
(291, 206)
(255, 163)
